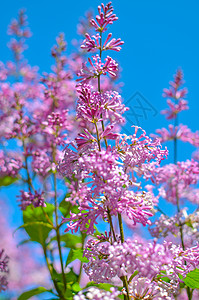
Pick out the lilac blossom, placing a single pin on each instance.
(143, 288)
(4, 270)
(165, 226)
(97, 68)
(97, 294)
(181, 132)
(10, 164)
(150, 260)
(90, 44)
(94, 106)
(177, 179)
(104, 18)
(177, 95)
(28, 198)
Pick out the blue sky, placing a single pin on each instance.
(159, 37)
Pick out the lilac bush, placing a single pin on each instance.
(78, 171)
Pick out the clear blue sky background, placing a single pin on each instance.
(159, 37)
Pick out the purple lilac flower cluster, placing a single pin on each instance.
(79, 169)
(4, 259)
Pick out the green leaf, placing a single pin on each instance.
(70, 240)
(71, 277)
(102, 286)
(76, 287)
(7, 180)
(36, 223)
(23, 241)
(192, 279)
(75, 254)
(33, 292)
(68, 294)
(65, 207)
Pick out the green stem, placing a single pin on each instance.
(123, 278)
(57, 225)
(99, 88)
(81, 265)
(111, 225)
(29, 180)
(51, 274)
(98, 139)
(177, 195)
(189, 294)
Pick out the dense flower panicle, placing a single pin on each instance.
(184, 261)
(107, 188)
(16, 106)
(104, 18)
(174, 108)
(138, 206)
(59, 47)
(94, 106)
(143, 288)
(181, 132)
(97, 294)
(15, 28)
(69, 164)
(77, 194)
(107, 261)
(136, 150)
(173, 91)
(97, 68)
(28, 198)
(59, 92)
(191, 194)
(177, 179)
(4, 270)
(107, 176)
(41, 163)
(165, 226)
(177, 95)
(56, 127)
(3, 262)
(10, 164)
(150, 260)
(18, 28)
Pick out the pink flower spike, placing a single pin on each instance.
(104, 18)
